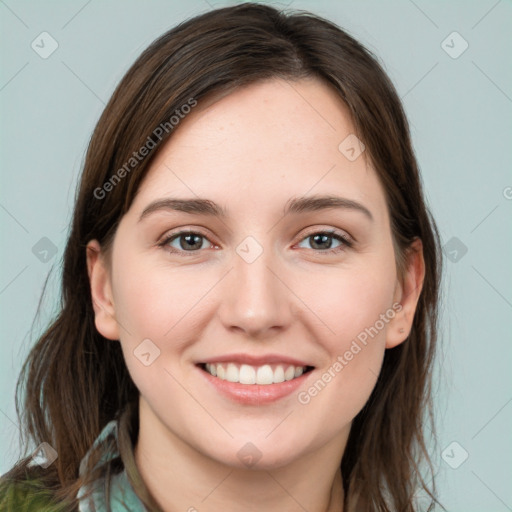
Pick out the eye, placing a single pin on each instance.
(193, 241)
(322, 241)
(186, 241)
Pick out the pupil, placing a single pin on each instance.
(323, 238)
(189, 237)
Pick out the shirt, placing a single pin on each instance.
(122, 495)
(31, 495)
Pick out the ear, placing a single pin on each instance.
(101, 292)
(407, 294)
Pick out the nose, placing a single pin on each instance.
(256, 299)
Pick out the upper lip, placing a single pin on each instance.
(253, 360)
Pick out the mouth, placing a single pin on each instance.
(251, 375)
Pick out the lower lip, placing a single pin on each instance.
(255, 394)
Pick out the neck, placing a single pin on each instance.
(194, 482)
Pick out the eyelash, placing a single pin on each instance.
(346, 242)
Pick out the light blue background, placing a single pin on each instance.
(460, 115)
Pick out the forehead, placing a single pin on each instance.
(262, 144)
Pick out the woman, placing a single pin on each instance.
(259, 369)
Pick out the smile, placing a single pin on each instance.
(248, 374)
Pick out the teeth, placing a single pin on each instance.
(247, 374)
(289, 374)
(265, 375)
(232, 373)
(279, 374)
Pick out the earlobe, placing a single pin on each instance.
(101, 292)
(407, 294)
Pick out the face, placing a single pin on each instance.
(297, 303)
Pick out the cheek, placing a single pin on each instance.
(350, 302)
(160, 304)
(148, 305)
(151, 300)
(357, 308)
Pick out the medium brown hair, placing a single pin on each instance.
(76, 380)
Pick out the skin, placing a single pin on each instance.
(269, 142)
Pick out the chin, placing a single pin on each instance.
(258, 452)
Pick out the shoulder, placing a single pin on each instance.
(26, 496)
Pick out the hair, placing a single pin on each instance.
(76, 380)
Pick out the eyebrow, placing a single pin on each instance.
(293, 206)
